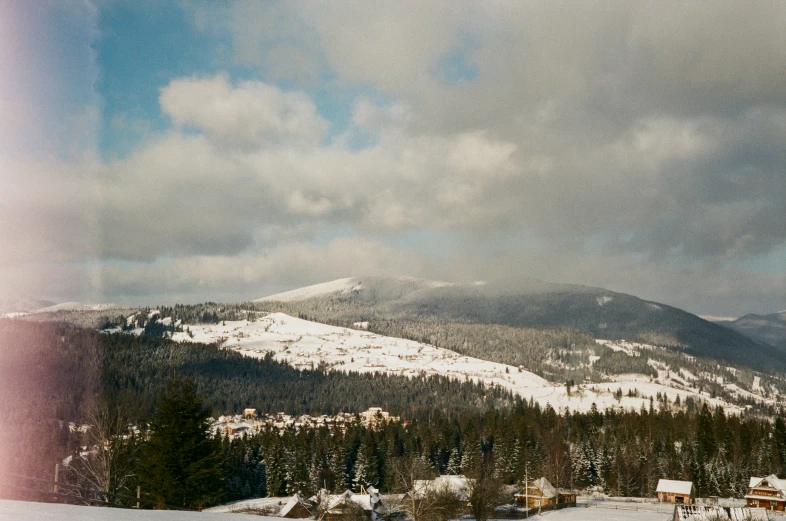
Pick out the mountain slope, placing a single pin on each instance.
(770, 329)
(532, 303)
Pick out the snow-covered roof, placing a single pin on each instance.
(365, 501)
(455, 483)
(294, 501)
(772, 480)
(545, 487)
(673, 486)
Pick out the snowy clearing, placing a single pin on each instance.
(24, 510)
(608, 511)
(305, 345)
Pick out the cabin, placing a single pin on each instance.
(250, 413)
(541, 494)
(296, 508)
(769, 493)
(237, 429)
(673, 491)
(457, 484)
(349, 504)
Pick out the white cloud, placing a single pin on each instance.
(251, 114)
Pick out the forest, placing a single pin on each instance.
(58, 373)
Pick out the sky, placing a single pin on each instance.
(183, 151)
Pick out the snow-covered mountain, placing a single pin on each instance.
(305, 345)
(532, 303)
(770, 328)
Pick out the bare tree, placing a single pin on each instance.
(420, 502)
(485, 493)
(108, 466)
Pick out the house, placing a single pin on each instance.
(769, 493)
(250, 413)
(673, 491)
(457, 484)
(541, 494)
(237, 429)
(338, 507)
(296, 508)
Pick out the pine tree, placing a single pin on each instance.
(179, 465)
(454, 462)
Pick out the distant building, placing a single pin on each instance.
(541, 494)
(296, 508)
(673, 491)
(375, 416)
(250, 413)
(769, 493)
(457, 484)
(346, 505)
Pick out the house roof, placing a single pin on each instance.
(365, 501)
(672, 486)
(457, 484)
(293, 501)
(545, 487)
(773, 480)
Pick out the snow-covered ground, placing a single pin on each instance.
(29, 511)
(23, 511)
(609, 511)
(304, 344)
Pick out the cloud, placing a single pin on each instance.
(637, 146)
(250, 114)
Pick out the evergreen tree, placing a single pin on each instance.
(179, 464)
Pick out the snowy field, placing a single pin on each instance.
(28, 511)
(305, 345)
(609, 511)
(23, 511)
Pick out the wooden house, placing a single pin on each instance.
(673, 491)
(769, 493)
(541, 494)
(342, 506)
(296, 508)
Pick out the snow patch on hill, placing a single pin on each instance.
(305, 345)
(325, 288)
(77, 306)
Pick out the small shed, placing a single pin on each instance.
(296, 508)
(673, 491)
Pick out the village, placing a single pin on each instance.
(765, 498)
(538, 499)
(250, 423)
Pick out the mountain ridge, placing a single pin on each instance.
(526, 302)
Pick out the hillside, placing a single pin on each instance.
(769, 329)
(535, 304)
(608, 374)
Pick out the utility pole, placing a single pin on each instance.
(138, 495)
(526, 487)
(56, 488)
